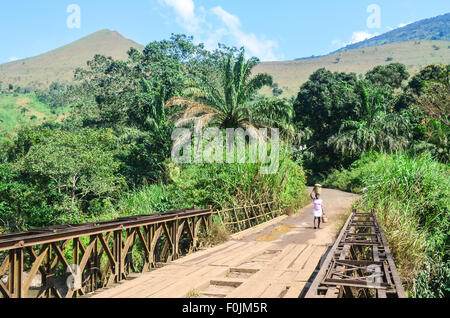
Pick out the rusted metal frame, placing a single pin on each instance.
(262, 215)
(34, 257)
(3, 268)
(237, 219)
(4, 290)
(69, 268)
(127, 250)
(332, 291)
(110, 263)
(190, 223)
(356, 263)
(354, 283)
(149, 232)
(312, 291)
(76, 247)
(180, 228)
(15, 277)
(4, 265)
(92, 252)
(249, 223)
(93, 266)
(392, 268)
(155, 238)
(362, 243)
(233, 223)
(13, 241)
(144, 241)
(339, 272)
(117, 251)
(176, 244)
(376, 257)
(261, 211)
(197, 222)
(85, 261)
(365, 264)
(49, 275)
(334, 268)
(168, 244)
(207, 222)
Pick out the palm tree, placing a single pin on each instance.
(377, 128)
(225, 102)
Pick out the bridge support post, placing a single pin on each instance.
(76, 259)
(118, 266)
(16, 273)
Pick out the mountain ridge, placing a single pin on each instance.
(58, 64)
(430, 29)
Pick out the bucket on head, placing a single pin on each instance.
(318, 189)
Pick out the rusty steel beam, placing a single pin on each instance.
(59, 233)
(349, 270)
(74, 260)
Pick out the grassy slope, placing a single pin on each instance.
(436, 28)
(18, 109)
(291, 74)
(58, 65)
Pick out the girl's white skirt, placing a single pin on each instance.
(318, 214)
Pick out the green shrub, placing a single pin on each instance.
(219, 186)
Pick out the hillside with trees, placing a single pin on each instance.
(432, 29)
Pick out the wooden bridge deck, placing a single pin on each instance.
(271, 262)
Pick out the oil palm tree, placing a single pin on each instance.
(377, 128)
(225, 101)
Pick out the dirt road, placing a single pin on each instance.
(274, 260)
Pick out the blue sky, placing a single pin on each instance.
(271, 30)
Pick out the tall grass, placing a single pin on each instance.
(411, 197)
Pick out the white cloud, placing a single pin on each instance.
(13, 58)
(185, 11)
(359, 36)
(218, 25)
(402, 25)
(256, 46)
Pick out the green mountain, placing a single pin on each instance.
(434, 29)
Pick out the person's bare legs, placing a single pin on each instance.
(318, 223)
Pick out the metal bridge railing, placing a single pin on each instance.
(72, 260)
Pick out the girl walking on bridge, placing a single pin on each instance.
(318, 208)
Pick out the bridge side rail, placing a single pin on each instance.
(72, 260)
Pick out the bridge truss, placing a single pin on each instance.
(68, 261)
(359, 265)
